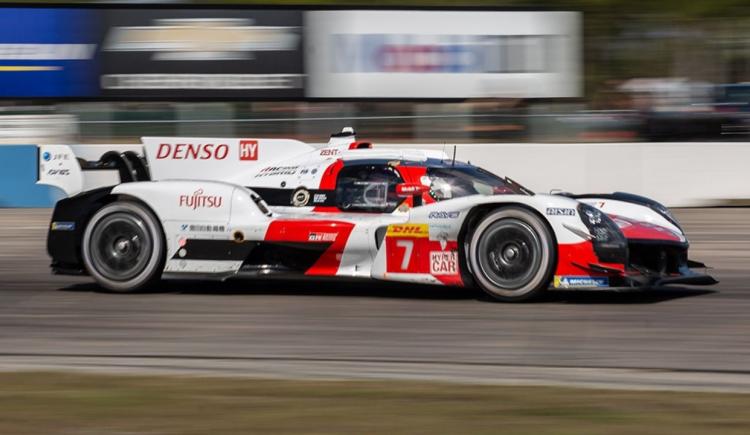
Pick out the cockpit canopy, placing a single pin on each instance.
(371, 186)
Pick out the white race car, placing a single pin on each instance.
(211, 208)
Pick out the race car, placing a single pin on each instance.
(220, 208)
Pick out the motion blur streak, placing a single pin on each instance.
(670, 338)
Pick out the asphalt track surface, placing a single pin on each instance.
(672, 338)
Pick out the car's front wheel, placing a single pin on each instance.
(123, 247)
(512, 254)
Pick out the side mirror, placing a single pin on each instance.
(405, 190)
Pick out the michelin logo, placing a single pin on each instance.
(63, 226)
(581, 281)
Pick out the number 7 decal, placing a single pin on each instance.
(408, 246)
(405, 244)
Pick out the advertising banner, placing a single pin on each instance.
(202, 53)
(47, 52)
(443, 54)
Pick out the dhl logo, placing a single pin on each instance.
(408, 230)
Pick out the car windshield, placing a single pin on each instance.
(465, 180)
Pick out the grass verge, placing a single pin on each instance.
(65, 403)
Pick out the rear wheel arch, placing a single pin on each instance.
(108, 199)
(123, 197)
(154, 265)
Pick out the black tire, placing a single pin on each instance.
(123, 247)
(512, 254)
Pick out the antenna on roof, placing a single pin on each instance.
(453, 163)
(442, 159)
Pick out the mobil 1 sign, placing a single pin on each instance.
(442, 54)
(202, 53)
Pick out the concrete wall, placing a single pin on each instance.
(676, 174)
(18, 172)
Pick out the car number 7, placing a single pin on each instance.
(408, 246)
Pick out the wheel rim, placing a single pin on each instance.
(510, 253)
(120, 246)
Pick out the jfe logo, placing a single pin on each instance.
(248, 150)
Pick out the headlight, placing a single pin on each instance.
(609, 243)
(593, 215)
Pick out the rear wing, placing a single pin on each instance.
(216, 159)
(79, 168)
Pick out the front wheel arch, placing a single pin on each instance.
(476, 215)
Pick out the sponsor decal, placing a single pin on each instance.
(410, 189)
(189, 151)
(63, 226)
(203, 228)
(248, 150)
(440, 53)
(322, 237)
(443, 262)
(329, 152)
(63, 172)
(442, 238)
(48, 52)
(320, 198)
(200, 82)
(557, 211)
(408, 230)
(200, 200)
(201, 39)
(47, 156)
(277, 170)
(300, 198)
(443, 215)
(580, 281)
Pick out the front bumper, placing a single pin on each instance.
(648, 264)
(684, 275)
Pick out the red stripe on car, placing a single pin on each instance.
(314, 231)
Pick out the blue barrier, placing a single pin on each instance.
(18, 188)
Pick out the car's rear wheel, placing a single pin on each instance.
(123, 247)
(512, 254)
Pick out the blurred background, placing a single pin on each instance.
(510, 71)
(643, 96)
(637, 94)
